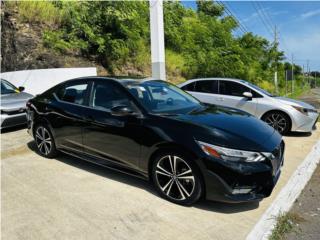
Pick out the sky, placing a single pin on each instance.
(297, 22)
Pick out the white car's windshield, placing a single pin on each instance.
(162, 97)
(7, 88)
(260, 89)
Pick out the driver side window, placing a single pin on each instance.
(105, 96)
(232, 88)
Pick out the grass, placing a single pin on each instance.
(299, 91)
(286, 223)
(37, 12)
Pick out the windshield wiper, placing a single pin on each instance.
(167, 114)
(198, 109)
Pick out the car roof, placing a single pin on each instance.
(213, 78)
(124, 80)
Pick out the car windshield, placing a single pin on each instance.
(260, 89)
(7, 88)
(162, 97)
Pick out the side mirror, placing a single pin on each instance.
(121, 111)
(21, 89)
(247, 95)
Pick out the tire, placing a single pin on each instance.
(279, 121)
(177, 178)
(44, 141)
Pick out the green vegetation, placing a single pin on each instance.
(38, 12)
(286, 222)
(198, 43)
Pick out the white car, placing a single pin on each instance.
(284, 114)
(12, 105)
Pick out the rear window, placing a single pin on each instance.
(207, 86)
(72, 93)
(189, 87)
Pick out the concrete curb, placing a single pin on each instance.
(289, 193)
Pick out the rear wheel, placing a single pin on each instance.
(278, 120)
(176, 178)
(44, 141)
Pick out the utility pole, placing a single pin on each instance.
(157, 39)
(286, 77)
(308, 73)
(276, 59)
(292, 74)
(303, 75)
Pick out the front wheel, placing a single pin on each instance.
(279, 121)
(177, 179)
(44, 141)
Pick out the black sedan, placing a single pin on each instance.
(154, 130)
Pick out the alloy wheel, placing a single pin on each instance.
(43, 140)
(277, 121)
(175, 177)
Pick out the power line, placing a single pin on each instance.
(265, 14)
(233, 12)
(267, 27)
(241, 27)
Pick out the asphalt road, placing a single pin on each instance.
(66, 198)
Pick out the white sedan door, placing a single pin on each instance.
(231, 95)
(204, 90)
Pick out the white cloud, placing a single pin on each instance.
(310, 14)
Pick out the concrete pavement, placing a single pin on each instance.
(66, 198)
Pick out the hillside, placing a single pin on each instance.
(115, 37)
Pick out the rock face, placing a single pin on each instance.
(21, 46)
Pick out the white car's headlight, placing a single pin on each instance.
(305, 111)
(229, 154)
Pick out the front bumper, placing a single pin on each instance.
(304, 123)
(13, 120)
(241, 182)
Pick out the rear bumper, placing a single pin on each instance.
(13, 120)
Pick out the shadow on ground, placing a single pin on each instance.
(299, 134)
(12, 129)
(146, 185)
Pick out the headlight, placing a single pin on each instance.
(234, 155)
(305, 111)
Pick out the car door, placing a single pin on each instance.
(65, 114)
(204, 90)
(109, 137)
(231, 95)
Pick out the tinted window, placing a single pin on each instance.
(232, 88)
(208, 86)
(162, 97)
(107, 95)
(74, 93)
(7, 88)
(189, 87)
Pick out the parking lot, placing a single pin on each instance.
(66, 198)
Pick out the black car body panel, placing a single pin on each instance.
(128, 143)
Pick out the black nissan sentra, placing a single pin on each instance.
(154, 130)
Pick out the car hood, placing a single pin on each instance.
(233, 128)
(293, 102)
(14, 100)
